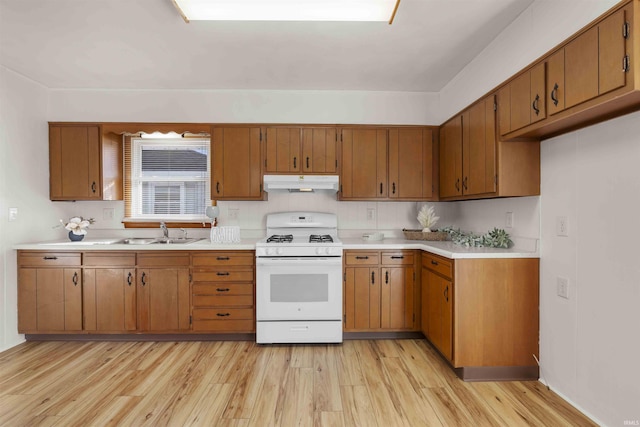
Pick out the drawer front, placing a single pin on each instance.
(438, 264)
(223, 290)
(397, 258)
(223, 300)
(49, 259)
(223, 314)
(242, 325)
(164, 259)
(224, 259)
(109, 260)
(361, 258)
(223, 276)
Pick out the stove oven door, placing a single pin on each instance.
(305, 288)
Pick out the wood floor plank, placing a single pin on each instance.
(359, 383)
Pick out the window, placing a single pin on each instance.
(169, 179)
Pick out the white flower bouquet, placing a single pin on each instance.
(77, 225)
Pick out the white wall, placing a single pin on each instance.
(589, 343)
(24, 184)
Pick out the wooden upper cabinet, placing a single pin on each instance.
(410, 163)
(525, 102)
(581, 68)
(236, 163)
(282, 150)
(364, 164)
(613, 62)
(451, 158)
(479, 148)
(319, 150)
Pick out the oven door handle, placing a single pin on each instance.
(312, 261)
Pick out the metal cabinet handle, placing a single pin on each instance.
(223, 314)
(393, 186)
(554, 94)
(223, 258)
(93, 186)
(446, 293)
(129, 279)
(50, 258)
(373, 277)
(362, 257)
(380, 188)
(307, 162)
(218, 187)
(222, 273)
(75, 279)
(434, 262)
(143, 279)
(294, 162)
(223, 289)
(535, 105)
(386, 276)
(458, 185)
(464, 183)
(397, 256)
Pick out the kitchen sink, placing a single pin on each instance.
(136, 241)
(154, 241)
(176, 241)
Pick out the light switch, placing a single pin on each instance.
(13, 214)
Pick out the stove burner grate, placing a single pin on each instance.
(280, 238)
(320, 238)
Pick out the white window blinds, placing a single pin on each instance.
(169, 178)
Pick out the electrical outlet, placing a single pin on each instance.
(563, 287)
(371, 214)
(234, 213)
(562, 226)
(13, 214)
(508, 220)
(107, 214)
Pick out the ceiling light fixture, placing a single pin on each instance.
(287, 10)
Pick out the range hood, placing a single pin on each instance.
(301, 183)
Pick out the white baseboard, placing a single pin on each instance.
(572, 403)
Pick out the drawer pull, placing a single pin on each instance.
(397, 256)
(222, 273)
(434, 262)
(223, 289)
(50, 258)
(223, 258)
(75, 279)
(223, 314)
(129, 279)
(362, 257)
(143, 279)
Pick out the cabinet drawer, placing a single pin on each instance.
(222, 300)
(49, 259)
(224, 259)
(241, 325)
(109, 260)
(223, 314)
(362, 258)
(163, 259)
(397, 258)
(222, 276)
(225, 289)
(438, 264)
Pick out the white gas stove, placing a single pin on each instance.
(299, 279)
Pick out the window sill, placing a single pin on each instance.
(155, 223)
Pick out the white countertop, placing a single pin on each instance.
(445, 249)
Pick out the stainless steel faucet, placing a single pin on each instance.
(165, 230)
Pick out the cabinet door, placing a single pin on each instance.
(451, 158)
(446, 343)
(479, 149)
(396, 299)
(581, 68)
(362, 298)
(410, 163)
(319, 150)
(109, 296)
(163, 299)
(236, 164)
(439, 312)
(74, 163)
(611, 52)
(283, 150)
(49, 300)
(364, 164)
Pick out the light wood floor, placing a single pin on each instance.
(360, 383)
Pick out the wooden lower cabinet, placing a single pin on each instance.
(379, 291)
(482, 315)
(49, 292)
(109, 292)
(223, 292)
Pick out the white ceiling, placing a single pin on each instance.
(145, 44)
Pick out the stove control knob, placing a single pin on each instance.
(329, 251)
(319, 251)
(270, 251)
(279, 251)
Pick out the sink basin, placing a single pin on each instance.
(137, 241)
(175, 241)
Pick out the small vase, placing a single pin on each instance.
(75, 237)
